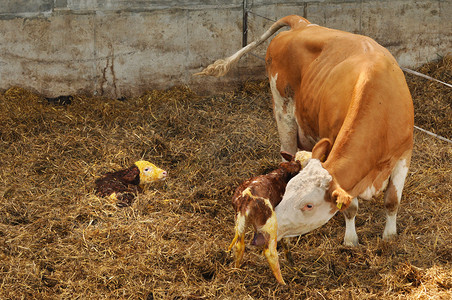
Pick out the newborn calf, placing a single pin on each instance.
(254, 202)
(122, 186)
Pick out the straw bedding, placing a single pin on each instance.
(59, 241)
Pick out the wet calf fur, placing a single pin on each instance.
(122, 186)
(254, 202)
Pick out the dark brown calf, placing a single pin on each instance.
(122, 186)
(254, 202)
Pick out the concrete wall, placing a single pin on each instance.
(123, 48)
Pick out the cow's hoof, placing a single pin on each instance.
(389, 236)
(390, 232)
(352, 242)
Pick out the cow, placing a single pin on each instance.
(254, 202)
(122, 186)
(343, 97)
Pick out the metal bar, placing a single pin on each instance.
(253, 13)
(425, 76)
(260, 57)
(433, 134)
(245, 24)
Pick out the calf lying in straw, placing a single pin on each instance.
(122, 186)
(254, 202)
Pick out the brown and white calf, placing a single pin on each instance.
(121, 187)
(344, 96)
(254, 202)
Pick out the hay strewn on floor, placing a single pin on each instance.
(59, 241)
(433, 100)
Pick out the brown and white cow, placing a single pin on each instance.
(343, 96)
(254, 202)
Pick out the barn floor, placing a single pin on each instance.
(59, 241)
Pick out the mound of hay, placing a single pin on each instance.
(58, 240)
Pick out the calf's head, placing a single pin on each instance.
(291, 165)
(149, 172)
(311, 198)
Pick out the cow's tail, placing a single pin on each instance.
(222, 66)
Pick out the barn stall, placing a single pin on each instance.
(58, 240)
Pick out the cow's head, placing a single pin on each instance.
(311, 198)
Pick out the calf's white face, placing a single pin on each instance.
(303, 207)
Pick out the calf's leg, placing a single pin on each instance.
(239, 239)
(239, 251)
(270, 251)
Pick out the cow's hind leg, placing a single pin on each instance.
(351, 238)
(283, 108)
(393, 195)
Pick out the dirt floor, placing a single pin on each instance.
(59, 241)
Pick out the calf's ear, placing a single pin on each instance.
(131, 173)
(286, 155)
(322, 149)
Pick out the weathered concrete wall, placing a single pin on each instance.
(123, 48)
